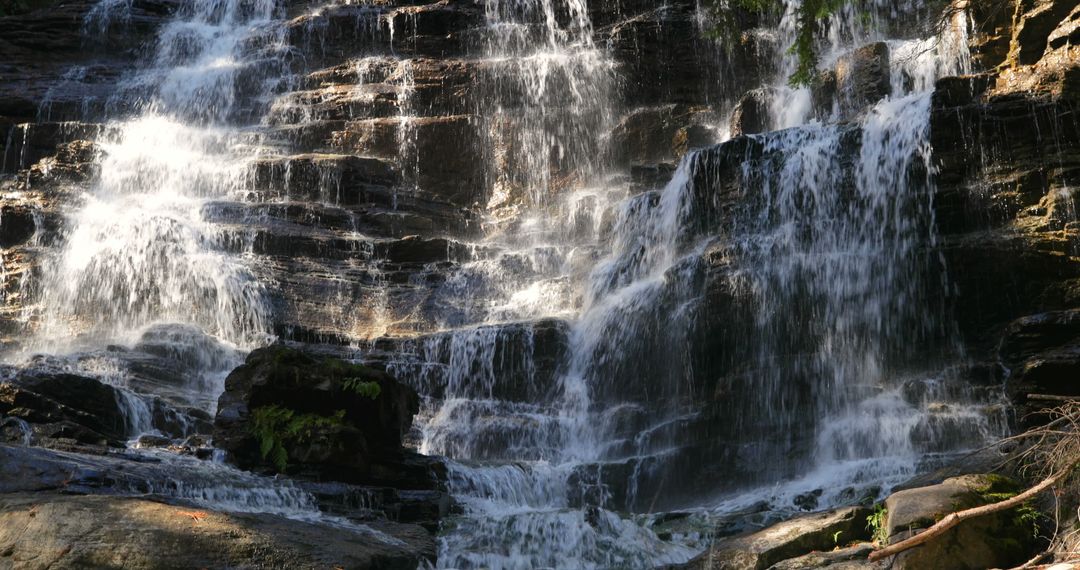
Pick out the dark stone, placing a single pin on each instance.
(751, 114)
(17, 225)
(363, 446)
(65, 406)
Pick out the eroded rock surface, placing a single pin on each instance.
(50, 530)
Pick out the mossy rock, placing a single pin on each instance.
(998, 540)
(289, 411)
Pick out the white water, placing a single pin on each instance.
(851, 248)
(137, 251)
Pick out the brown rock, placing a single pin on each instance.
(44, 530)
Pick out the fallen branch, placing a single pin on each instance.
(960, 516)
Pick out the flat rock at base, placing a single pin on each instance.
(850, 558)
(786, 540)
(39, 530)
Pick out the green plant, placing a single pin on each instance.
(277, 428)
(362, 388)
(807, 25)
(836, 537)
(1028, 516)
(875, 523)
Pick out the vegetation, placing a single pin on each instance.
(875, 523)
(811, 14)
(277, 429)
(361, 387)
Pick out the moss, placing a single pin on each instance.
(277, 429)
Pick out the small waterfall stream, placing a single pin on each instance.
(574, 372)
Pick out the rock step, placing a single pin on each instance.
(416, 147)
(417, 218)
(514, 362)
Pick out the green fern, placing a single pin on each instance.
(361, 387)
(277, 429)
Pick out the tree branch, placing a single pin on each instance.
(960, 516)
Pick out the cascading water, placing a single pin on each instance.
(138, 251)
(829, 263)
(141, 266)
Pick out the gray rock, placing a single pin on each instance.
(789, 539)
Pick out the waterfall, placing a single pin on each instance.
(138, 250)
(767, 323)
(827, 259)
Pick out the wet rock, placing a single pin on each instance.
(992, 23)
(66, 406)
(863, 77)
(65, 531)
(17, 225)
(661, 134)
(786, 540)
(515, 362)
(1033, 28)
(808, 501)
(999, 540)
(1042, 355)
(751, 114)
(284, 409)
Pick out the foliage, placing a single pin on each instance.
(810, 15)
(361, 387)
(278, 428)
(875, 523)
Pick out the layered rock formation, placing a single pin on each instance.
(420, 196)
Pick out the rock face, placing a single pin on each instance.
(45, 530)
(66, 406)
(1006, 158)
(320, 416)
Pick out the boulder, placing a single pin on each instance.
(789, 539)
(68, 406)
(863, 77)
(289, 411)
(1000, 540)
(751, 114)
(46, 530)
